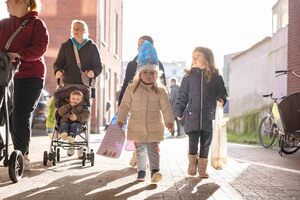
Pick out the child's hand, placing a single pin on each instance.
(73, 117)
(119, 124)
(170, 127)
(220, 103)
(179, 118)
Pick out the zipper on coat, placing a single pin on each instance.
(201, 101)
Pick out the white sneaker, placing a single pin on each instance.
(26, 163)
(70, 152)
(80, 153)
(64, 135)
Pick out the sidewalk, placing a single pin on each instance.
(252, 173)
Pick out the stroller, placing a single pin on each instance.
(15, 160)
(61, 96)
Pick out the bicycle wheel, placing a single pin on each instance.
(290, 144)
(266, 132)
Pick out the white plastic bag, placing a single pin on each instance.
(219, 141)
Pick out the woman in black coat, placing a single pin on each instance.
(202, 88)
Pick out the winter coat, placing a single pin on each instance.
(174, 89)
(81, 111)
(31, 43)
(148, 112)
(130, 72)
(66, 61)
(196, 100)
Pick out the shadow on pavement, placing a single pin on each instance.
(188, 188)
(80, 186)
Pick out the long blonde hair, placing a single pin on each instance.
(33, 5)
(209, 60)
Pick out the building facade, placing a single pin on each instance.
(252, 73)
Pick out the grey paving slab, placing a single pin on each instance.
(252, 173)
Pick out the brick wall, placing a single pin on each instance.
(294, 45)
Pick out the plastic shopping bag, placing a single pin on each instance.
(113, 142)
(219, 141)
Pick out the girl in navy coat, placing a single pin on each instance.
(202, 88)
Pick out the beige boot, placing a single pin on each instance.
(192, 168)
(202, 164)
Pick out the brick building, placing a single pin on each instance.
(104, 18)
(294, 45)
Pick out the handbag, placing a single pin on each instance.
(7, 67)
(84, 78)
(219, 141)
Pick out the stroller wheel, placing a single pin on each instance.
(15, 169)
(58, 154)
(83, 158)
(45, 158)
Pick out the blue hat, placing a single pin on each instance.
(147, 57)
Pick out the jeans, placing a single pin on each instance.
(205, 141)
(26, 94)
(153, 153)
(70, 127)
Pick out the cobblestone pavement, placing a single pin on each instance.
(252, 173)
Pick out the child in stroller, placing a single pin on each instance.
(66, 97)
(72, 116)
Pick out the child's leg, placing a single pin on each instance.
(193, 152)
(74, 127)
(141, 153)
(205, 141)
(154, 159)
(64, 129)
(153, 154)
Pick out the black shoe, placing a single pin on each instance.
(155, 176)
(141, 175)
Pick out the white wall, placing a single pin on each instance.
(252, 74)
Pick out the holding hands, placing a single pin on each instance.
(170, 127)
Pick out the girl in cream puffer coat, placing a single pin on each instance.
(147, 103)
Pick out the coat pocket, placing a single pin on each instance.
(191, 121)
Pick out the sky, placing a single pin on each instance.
(178, 26)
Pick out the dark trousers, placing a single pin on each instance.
(205, 141)
(26, 94)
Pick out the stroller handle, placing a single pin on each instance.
(93, 91)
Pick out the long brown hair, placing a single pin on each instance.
(210, 68)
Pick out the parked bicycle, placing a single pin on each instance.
(282, 122)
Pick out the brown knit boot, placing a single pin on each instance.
(202, 164)
(192, 168)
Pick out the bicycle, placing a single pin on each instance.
(282, 122)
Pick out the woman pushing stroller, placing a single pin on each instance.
(78, 61)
